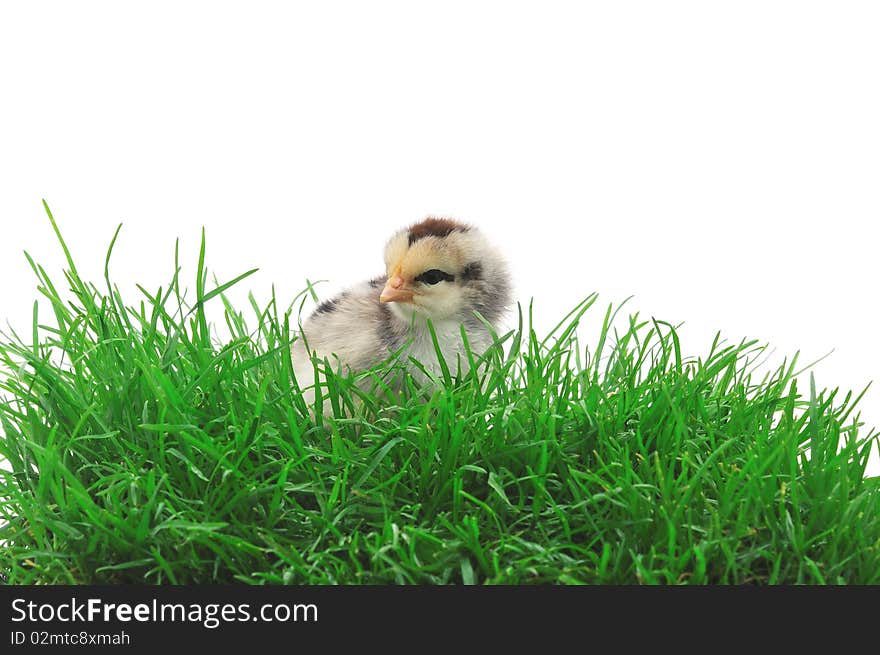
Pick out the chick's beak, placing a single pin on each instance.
(394, 291)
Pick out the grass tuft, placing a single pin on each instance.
(137, 448)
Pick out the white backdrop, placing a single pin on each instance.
(719, 161)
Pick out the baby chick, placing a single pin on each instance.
(438, 269)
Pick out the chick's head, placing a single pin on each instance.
(442, 269)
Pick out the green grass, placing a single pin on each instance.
(142, 450)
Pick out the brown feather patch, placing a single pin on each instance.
(434, 227)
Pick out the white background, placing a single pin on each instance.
(718, 161)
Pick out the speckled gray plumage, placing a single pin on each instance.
(328, 331)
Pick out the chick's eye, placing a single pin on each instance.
(434, 276)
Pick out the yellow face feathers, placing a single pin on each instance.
(426, 255)
(440, 268)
